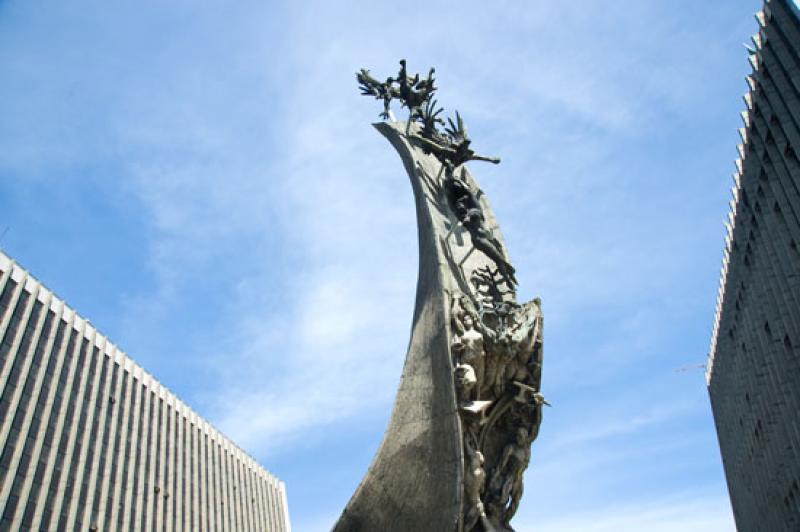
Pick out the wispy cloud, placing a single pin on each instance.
(277, 228)
(615, 422)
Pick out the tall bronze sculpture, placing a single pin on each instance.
(468, 407)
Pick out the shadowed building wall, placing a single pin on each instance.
(753, 372)
(90, 441)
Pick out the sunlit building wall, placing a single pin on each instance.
(91, 441)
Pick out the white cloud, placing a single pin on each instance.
(332, 200)
(282, 225)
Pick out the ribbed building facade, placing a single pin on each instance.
(753, 371)
(90, 441)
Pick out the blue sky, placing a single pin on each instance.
(201, 181)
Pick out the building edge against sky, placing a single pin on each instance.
(753, 371)
(90, 441)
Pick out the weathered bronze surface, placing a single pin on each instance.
(469, 404)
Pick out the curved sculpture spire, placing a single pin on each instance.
(468, 406)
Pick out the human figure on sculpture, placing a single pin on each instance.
(468, 343)
(493, 319)
(474, 482)
(465, 380)
(525, 338)
(504, 355)
(528, 415)
(468, 210)
(506, 485)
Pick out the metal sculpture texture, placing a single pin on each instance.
(469, 404)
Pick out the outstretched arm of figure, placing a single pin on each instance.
(493, 160)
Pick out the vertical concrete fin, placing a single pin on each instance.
(400, 492)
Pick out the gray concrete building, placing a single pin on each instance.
(91, 441)
(753, 372)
